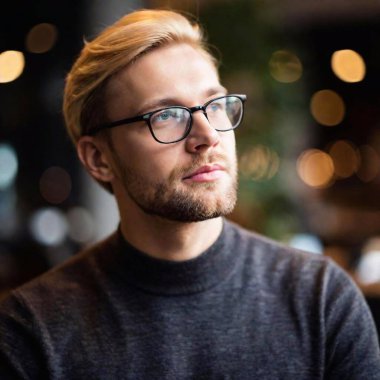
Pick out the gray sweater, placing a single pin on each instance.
(247, 308)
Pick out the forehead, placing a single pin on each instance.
(179, 72)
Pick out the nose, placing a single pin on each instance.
(202, 135)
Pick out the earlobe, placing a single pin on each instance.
(93, 157)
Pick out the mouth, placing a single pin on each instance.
(206, 173)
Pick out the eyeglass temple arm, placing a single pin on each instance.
(120, 122)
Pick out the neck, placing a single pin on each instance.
(166, 239)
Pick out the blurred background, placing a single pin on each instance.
(309, 148)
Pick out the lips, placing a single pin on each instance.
(206, 173)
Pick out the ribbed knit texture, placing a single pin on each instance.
(247, 308)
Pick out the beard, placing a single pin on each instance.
(183, 202)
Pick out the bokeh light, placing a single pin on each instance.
(369, 163)
(41, 38)
(81, 225)
(315, 168)
(348, 65)
(48, 226)
(8, 166)
(327, 107)
(368, 269)
(346, 158)
(259, 163)
(306, 242)
(12, 65)
(55, 185)
(285, 66)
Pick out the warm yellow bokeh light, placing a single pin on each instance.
(327, 107)
(348, 65)
(369, 167)
(285, 66)
(12, 65)
(41, 38)
(260, 163)
(346, 158)
(315, 168)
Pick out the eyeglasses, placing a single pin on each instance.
(172, 124)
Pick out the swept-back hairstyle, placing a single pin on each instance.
(115, 48)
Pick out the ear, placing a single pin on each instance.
(92, 153)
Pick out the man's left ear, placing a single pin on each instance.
(92, 154)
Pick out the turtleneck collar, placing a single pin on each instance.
(174, 278)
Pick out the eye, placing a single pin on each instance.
(170, 117)
(163, 116)
(217, 105)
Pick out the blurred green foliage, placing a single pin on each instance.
(246, 33)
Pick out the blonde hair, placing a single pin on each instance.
(116, 47)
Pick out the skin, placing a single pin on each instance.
(136, 165)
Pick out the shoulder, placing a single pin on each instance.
(322, 296)
(66, 283)
(264, 252)
(275, 267)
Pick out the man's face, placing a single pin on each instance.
(191, 180)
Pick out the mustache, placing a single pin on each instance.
(199, 161)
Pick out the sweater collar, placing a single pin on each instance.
(174, 278)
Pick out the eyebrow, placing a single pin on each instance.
(166, 102)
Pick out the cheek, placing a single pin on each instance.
(148, 157)
(167, 161)
(229, 143)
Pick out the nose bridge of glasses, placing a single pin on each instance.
(199, 108)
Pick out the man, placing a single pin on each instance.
(178, 292)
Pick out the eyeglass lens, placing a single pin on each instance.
(172, 124)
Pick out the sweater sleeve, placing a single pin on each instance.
(20, 352)
(352, 348)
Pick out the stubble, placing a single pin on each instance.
(183, 202)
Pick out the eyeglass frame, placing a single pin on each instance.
(147, 117)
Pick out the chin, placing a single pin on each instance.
(192, 206)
